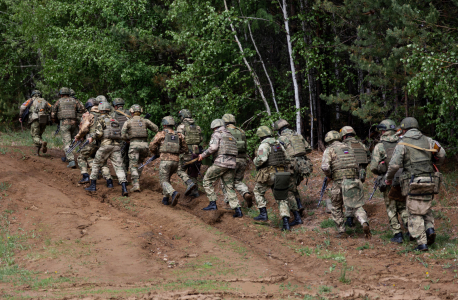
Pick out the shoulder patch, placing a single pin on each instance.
(261, 152)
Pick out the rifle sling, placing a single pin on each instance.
(418, 148)
(122, 113)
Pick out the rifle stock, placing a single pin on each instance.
(148, 161)
(323, 189)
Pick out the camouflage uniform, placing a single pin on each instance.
(122, 115)
(39, 111)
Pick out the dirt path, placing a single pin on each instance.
(103, 245)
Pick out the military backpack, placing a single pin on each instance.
(171, 143)
(67, 108)
(112, 129)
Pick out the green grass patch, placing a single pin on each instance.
(364, 247)
(326, 254)
(324, 289)
(328, 223)
(23, 138)
(343, 274)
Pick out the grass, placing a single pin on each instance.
(365, 246)
(124, 202)
(328, 223)
(324, 289)
(23, 138)
(343, 273)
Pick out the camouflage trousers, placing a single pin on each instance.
(227, 179)
(181, 172)
(67, 133)
(85, 160)
(166, 169)
(36, 131)
(337, 208)
(239, 185)
(393, 208)
(104, 153)
(138, 151)
(260, 190)
(420, 217)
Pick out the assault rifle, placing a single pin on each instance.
(124, 149)
(148, 161)
(57, 130)
(377, 184)
(323, 189)
(82, 146)
(73, 146)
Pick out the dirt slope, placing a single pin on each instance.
(104, 245)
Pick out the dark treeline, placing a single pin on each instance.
(319, 64)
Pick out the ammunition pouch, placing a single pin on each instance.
(352, 193)
(281, 185)
(382, 168)
(412, 185)
(42, 118)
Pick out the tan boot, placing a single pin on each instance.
(249, 199)
(135, 188)
(44, 145)
(367, 231)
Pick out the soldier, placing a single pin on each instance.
(224, 146)
(66, 110)
(420, 179)
(272, 164)
(73, 95)
(381, 157)
(193, 137)
(339, 164)
(86, 157)
(136, 131)
(170, 144)
(363, 157)
(108, 131)
(242, 160)
(296, 148)
(39, 110)
(122, 115)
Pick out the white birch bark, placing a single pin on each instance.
(310, 82)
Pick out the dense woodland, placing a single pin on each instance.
(319, 64)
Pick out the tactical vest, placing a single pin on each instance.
(227, 144)
(297, 146)
(276, 156)
(359, 151)
(138, 129)
(41, 110)
(191, 134)
(240, 137)
(112, 130)
(417, 162)
(389, 150)
(67, 108)
(345, 165)
(171, 143)
(121, 118)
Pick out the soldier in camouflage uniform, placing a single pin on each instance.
(193, 136)
(381, 157)
(224, 147)
(170, 144)
(136, 131)
(39, 110)
(420, 179)
(122, 115)
(339, 164)
(109, 132)
(363, 157)
(242, 160)
(67, 110)
(296, 147)
(73, 95)
(87, 153)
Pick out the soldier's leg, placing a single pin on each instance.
(392, 212)
(402, 211)
(134, 157)
(100, 159)
(227, 179)
(181, 172)
(360, 215)
(239, 185)
(283, 208)
(166, 170)
(116, 161)
(328, 205)
(213, 173)
(417, 228)
(337, 207)
(259, 191)
(66, 135)
(83, 158)
(35, 133)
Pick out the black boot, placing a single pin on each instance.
(297, 219)
(421, 247)
(285, 224)
(165, 200)
(92, 187)
(175, 197)
(262, 215)
(349, 222)
(430, 236)
(110, 183)
(63, 158)
(191, 187)
(397, 238)
(124, 189)
(211, 206)
(300, 208)
(85, 178)
(238, 213)
(38, 150)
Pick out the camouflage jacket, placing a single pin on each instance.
(98, 134)
(262, 155)
(87, 121)
(149, 125)
(330, 155)
(379, 154)
(79, 112)
(33, 113)
(350, 139)
(225, 161)
(284, 140)
(159, 139)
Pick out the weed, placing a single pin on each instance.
(447, 266)
(324, 289)
(365, 246)
(304, 251)
(3, 150)
(343, 273)
(311, 213)
(328, 223)
(427, 287)
(4, 186)
(275, 218)
(339, 257)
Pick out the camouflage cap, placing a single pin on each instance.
(36, 92)
(217, 123)
(118, 101)
(280, 124)
(64, 91)
(89, 103)
(136, 108)
(169, 121)
(104, 106)
(346, 130)
(228, 118)
(72, 93)
(409, 123)
(101, 98)
(386, 125)
(263, 131)
(332, 136)
(184, 113)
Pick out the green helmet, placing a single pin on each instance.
(228, 118)
(36, 92)
(64, 91)
(169, 121)
(409, 123)
(89, 103)
(217, 123)
(346, 130)
(386, 125)
(184, 113)
(104, 106)
(332, 136)
(136, 108)
(263, 131)
(72, 93)
(118, 101)
(280, 124)
(101, 98)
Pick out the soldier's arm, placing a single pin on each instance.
(124, 130)
(86, 122)
(308, 148)
(54, 110)
(213, 146)
(440, 157)
(156, 143)
(288, 158)
(180, 129)
(201, 136)
(396, 161)
(377, 157)
(23, 107)
(100, 126)
(261, 155)
(151, 126)
(183, 145)
(326, 162)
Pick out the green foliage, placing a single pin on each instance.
(328, 223)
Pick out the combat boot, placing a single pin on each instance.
(211, 206)
(367, 231)
(430, 236)
(38, 150)
(85, 178)
(71, 164)
(165, 200)
(297, 219)
(191, 187)
(135, 188)
(285, 224)
(110, 183)
(349, 222)
(300, 208)
(175, 197)
(262, 215)
(421, 247)
(248, 199)
(195, 193)
(63, 158)
(397, 238)
(238, 213)
(45, 147)
(124, 189)
(92, 187)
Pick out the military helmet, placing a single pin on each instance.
(409, 123)
(136, 108)
(263, 131)
(169, 121)
(346, 130)
(184, 113)
(101, 98)
(228, 118)
(217, 123)
(89, 103)
(118, 101)
(386, 125)
(95, 101)
(104, 106)
(332, 136)
(36, 92)
(72, 93)
(64, 91)
(280, 124)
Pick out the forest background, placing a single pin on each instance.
(319, 64)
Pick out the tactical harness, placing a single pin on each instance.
(171, 143)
